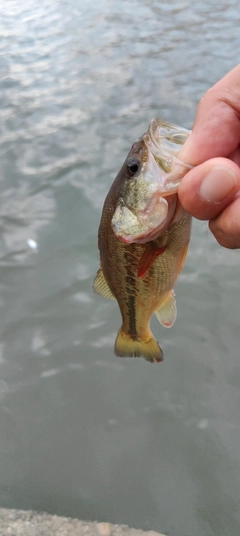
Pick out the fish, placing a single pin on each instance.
(143, 238)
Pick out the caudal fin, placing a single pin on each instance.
(147, 348)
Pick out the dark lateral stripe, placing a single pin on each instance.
(130, 279)
(132, 316)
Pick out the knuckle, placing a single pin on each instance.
(227, 238)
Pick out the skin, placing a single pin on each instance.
(211, 191)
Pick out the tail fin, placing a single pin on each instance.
(148, 348)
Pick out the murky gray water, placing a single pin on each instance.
(83, 432)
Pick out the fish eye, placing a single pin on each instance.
(133, 166)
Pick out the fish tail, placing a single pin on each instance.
(148, 348)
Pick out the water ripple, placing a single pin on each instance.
(78, 83)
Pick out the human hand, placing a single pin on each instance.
(211, 190)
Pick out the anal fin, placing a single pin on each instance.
(167, 312)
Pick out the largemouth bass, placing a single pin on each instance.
(143, 238)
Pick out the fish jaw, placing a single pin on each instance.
(147, 224)
(171, 170)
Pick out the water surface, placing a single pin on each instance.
(82, 432)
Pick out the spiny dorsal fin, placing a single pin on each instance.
(167, 312)
(101, 287)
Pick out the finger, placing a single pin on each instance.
(216, 130)
(235, 156)
(226, 227)
(207, 189)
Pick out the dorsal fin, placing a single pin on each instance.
(101, 287)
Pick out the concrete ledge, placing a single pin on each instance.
(28, 523)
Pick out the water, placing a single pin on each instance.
(82, 432)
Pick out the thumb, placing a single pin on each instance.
(216, 130)
(209, 188)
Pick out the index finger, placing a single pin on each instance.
(216, 130)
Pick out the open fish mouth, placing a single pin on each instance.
(145, 215)
(164, 142)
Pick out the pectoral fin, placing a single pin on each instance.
(101, 287)
(148, 257)
(167, 312)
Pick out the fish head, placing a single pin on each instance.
(150, 178)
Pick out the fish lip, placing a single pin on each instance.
(172, 169)
(125, 239)
(153, 234)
